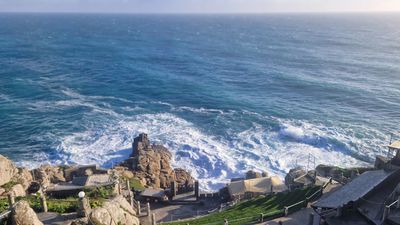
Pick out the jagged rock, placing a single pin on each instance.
(47, 175)
(114, 212)
(7, 170)
(23, 214)
(23, 177)
(81, 221)
(2, 190)
(252, 175)
(182, 176)
(151, 164)
(17, 190)
(298, 177)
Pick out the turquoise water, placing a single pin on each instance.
(225, 93)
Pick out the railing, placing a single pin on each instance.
(4, 215)
(261, 217)
(304, 203)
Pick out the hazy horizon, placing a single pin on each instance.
(199, 6)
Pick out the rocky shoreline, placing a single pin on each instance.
(149, 165)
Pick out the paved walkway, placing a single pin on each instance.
(297, 218)
(51, 218)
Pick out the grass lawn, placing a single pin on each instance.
(249, 211)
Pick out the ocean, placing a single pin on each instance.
(225, 93)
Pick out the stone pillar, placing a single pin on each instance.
(196, 190)
(138, 208)
(83, 206)
(261, 217)
(153, 219)
(311, 219)
(43, 201)
(148, 210)
(286, 211)
(11, 200)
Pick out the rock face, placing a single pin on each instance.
(24, 177)
(23, 214)
(114, 212)
(151, 164)
(18, 190)
(298, 177)
(49, 174)
(7, 170)
(8, 173)
(252, 175)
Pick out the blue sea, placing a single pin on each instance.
(225, 93)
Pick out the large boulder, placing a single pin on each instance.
(114, 212)
(298, 177)
(251, 174)
(23, 214)
(7, 170)
(151, 164)
(18, 190)
(48, 175)
(24, 177)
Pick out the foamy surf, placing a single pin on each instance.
(211, 159)
(274, 145)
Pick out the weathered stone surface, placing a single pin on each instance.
(23, 177)
(81, 221)
(23, 214)
(7, 170)
(252, 174)
(182, 176)
(17, 190)
(151, 164)
(293, 174)
(2, 190)
(47, 175)
(113, 212)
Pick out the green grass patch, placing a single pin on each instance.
(136, 185)
(100, 192)
(249, 211)
(61, 206)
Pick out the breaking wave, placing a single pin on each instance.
(106, 137)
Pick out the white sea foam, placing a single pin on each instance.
(212, 159)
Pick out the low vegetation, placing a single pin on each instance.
(66, 205)
(250, 211)
(135, 184)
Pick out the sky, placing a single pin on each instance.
(198, 6)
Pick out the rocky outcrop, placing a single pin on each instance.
(47, 175)
(23, 177)
(151, 164)
(252, 174)
(182, 177)
(114, 212)
(298, 177)
(7, 170)
(23, 214)
(17, 190)
(10, 173)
